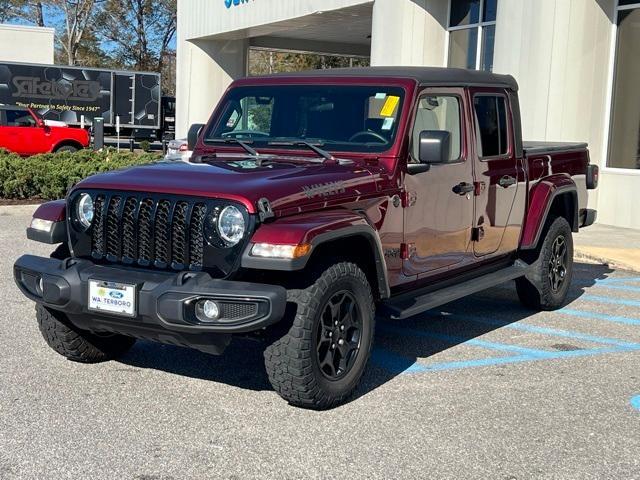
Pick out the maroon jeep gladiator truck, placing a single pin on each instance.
(312, 203)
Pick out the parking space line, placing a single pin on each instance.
(400, 364)
(548, 331)
(599, 316)
(476, 342)
(612, 301)
(620, 280)
(622, 287)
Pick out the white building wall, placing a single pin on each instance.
(409, 32)
(560, 53)
(26, 44)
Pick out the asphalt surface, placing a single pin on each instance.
(481, 388)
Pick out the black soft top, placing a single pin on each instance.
(422, 75)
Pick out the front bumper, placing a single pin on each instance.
(165, 301)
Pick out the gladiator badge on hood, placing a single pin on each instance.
(323, 189)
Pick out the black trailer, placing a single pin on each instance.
(67, 94)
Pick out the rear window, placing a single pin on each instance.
(492, 126)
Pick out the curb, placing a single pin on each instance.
(7, 210)
(581, 255)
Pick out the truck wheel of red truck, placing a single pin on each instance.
(67, 148)
(547, 284)
(79, 345)
(320, 361)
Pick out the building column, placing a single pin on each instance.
(409, 32)
(205, 68)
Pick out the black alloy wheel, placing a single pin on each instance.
(558, 263)
(338, 335)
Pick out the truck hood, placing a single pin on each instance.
(286, 183)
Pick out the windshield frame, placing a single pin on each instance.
(404, 86)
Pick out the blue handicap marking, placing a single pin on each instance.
(599, 316)
(613, 301)
(635, 402)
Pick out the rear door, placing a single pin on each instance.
(498, 174)
(123, 98)
(438, 220)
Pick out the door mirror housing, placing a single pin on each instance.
(434, 148)
(192, 136)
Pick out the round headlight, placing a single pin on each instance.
(231, 225)
(84, 210)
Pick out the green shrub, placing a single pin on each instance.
(51, 175)
(145, 146)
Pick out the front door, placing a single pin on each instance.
(498, 175)
(439, 213)
(20, 132)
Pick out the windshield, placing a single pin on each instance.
(337, 118)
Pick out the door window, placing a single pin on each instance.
(438, 112)
(19, 118)
(492, 126)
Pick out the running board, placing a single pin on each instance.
(412, 303)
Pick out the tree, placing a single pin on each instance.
(78, 15)
(27, 10)
(139, 32)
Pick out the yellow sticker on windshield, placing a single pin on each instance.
(389, 106)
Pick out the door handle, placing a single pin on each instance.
(463, 188)
(507, 181)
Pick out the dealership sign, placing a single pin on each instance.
(235, 3)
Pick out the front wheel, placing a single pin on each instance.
(79, 345)
(547, 284)
(320, 361)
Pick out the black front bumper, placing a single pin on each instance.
(165, 301)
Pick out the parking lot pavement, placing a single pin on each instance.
(480, 388)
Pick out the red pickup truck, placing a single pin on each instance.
(22, 131)
(311, 202)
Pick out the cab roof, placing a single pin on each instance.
(422, 75)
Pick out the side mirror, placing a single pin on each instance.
(434, 148)
(192, 136)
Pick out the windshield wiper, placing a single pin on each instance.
(236, 141)
(315, 147)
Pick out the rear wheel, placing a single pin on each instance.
(79, 345)
(547, 285)
(320, 361)
(67, 148)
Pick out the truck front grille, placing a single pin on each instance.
(149, 232)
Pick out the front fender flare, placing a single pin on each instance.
(315, 231)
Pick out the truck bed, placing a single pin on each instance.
(537, 148)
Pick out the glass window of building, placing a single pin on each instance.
(624, 150)
(472, 29)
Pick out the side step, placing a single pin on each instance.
(412, 303)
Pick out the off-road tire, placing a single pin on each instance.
(292, 362)
(535, 291)
(67, 148)
(79, 345)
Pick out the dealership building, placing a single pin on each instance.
(577, 62)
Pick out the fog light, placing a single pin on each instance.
(207, 310)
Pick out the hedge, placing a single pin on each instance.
(50, 176)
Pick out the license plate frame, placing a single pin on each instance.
(104, 297)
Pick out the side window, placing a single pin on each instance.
(438, 112)
(19, 118)
(492, 126)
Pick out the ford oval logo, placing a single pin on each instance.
(116, 295)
